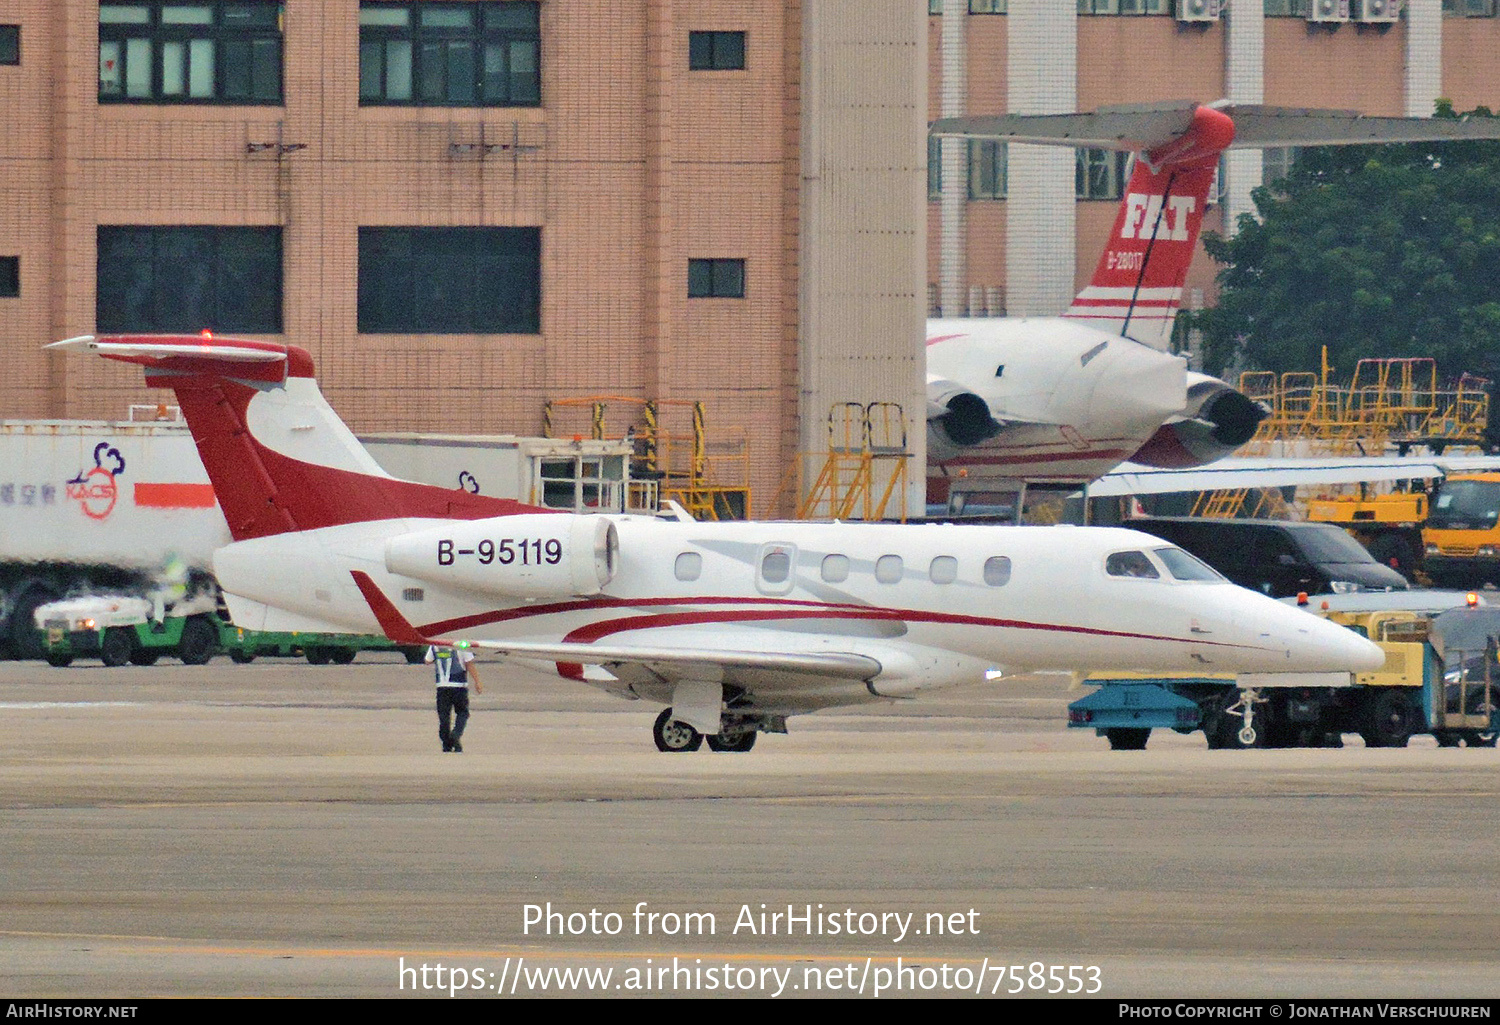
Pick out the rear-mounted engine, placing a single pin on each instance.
(528, 556)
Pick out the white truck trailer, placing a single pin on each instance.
(106, 507)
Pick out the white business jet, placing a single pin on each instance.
(734, 626)
(1064, 400)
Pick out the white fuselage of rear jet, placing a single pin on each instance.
(1074, 401)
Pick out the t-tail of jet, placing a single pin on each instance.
(1137, 287)
(279, 457)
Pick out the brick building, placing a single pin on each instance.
(466, 207)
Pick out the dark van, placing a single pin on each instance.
(1277, 557)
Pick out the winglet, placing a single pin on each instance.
(395, 625)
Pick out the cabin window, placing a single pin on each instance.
(776, 566)
(997, 571)
(689, 566)
(1130, 564)
(944, 570)
(835, 568)
(888, 569)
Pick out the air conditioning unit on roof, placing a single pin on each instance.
(1376, 12)
(1197, 10)
(1328, 10)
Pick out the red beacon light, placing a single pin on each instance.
(1301, 599)
(1471, 599)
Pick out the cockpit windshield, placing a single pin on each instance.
(1130, 564)
(1183, 566)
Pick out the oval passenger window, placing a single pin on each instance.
(997, 571)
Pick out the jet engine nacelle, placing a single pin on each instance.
(959, 417)
(537, 555)
(1216, 420)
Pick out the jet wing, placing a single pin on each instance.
(1138, 128)
(661, 664)
(1233, 473)
(687, 663)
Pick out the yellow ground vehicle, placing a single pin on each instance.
(1389, 526)
(1461, 537)
(1440, 677)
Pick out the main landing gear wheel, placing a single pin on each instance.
(732, 741)
(672, 735)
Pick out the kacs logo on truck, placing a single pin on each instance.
(95, 489)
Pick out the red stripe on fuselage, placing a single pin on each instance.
(782, 609)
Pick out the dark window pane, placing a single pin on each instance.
(10, 44)
(511, 15)
(449, 280)
(232, 54)
(461, 73)
(188, 279)
(124, 295)
(371, 56)
(729, 278)
(249, 280)
(236, 69)
(432, 64)
(700, 278)
(525, 75)
(266, 69)
(484, 53)
(700, 50)
(729, 50)
(10, 276)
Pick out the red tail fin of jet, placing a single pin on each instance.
(1137, 287)
(279, 457)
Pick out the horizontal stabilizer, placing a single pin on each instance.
(1139, 128)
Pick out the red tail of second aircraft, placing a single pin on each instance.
(279, 457)
(1137, 287)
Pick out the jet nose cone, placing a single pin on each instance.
(1321, 646)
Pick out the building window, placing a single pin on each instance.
(10, 277)
(207, 52)
(450, 281)
(451, 55)
(986, 169)
(1276, 163)
(1469, 8)
(185, 279)
(716, 279)
(716, 51)
(975, 6)
(10, 44)
(1100, 174)
(1124, 6)
(934, 167)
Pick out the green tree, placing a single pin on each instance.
(1373, 251)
